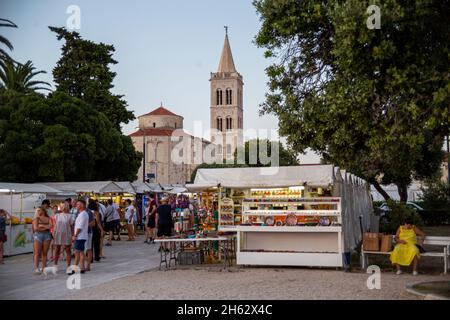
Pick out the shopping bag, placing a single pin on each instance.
(386, 243)
(371, 241)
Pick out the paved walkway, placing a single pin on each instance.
(130, 271)
(123, 258)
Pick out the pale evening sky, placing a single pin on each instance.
(165, 50)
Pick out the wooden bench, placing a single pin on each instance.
(433, 241)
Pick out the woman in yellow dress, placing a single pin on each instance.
(406, 251)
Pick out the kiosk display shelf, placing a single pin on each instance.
(304, 232)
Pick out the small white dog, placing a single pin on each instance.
(50, 270)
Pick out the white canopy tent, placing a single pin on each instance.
(126, 186)
(26, 188)
(97, 187)
(156, 187)
(141, 187)
(20, 198)
(177, 190)
(263, 177)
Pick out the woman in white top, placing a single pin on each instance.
(62, 232)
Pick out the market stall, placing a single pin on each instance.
(90, 189)
(289, 215)
(21, 200)
(205, 206)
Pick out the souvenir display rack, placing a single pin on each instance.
(230, 209)
(230, 218)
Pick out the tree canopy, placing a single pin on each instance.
(83, 72)
(286, 157)
(373, 101)
(60, 138)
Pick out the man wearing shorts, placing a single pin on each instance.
(81, 234)
(164, 220)
(150, 214)
(116, 219)
(110, 223)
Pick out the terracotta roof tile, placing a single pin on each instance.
(159, 132)
(161, 111)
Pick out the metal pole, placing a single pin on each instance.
(11, 213)
(448, 165)
(143, 160)
(21, 205)
(156, 161)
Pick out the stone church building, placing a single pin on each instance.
(160, 131)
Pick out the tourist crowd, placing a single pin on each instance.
(77, 228)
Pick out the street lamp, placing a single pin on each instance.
(143, 150)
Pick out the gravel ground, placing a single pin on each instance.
(200, 283)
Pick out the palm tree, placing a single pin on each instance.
(3, 54)
(19, 77)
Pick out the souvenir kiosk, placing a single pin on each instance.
(291, 216)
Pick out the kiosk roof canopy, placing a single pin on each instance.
(126, 186)
(88, 186)
(263, 177)
(27, 188)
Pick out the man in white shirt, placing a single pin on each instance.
(80, 234)
(116, 221)
(129, 216)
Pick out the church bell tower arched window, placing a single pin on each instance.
(219, 97)
(219, 124)
(228, 95)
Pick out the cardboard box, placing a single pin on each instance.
(371, 241)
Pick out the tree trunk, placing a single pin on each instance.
(403, 192)
(380, 189)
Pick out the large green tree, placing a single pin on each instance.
(84, 72)
(60, 138)
(253, 148)
(374, 101)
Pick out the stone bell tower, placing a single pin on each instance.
(226, 105)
